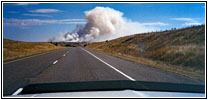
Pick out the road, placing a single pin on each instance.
(80, 64)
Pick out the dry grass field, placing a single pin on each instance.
(177, 50)
(13, 49)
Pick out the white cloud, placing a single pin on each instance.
(40, 15)
(74, 20)
(44, 10)
(194, 23)
(182, 19)
(32, 22)
(188, 21)
(155, 24)
(24, 4)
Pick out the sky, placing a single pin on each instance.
(37, 22)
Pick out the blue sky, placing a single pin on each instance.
(41, 21)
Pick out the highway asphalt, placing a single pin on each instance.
(81, 64)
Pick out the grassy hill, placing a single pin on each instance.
(13, 49)
(181, 51)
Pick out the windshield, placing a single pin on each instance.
(157, 46)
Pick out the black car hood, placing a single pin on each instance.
(111, 85)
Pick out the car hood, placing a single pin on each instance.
(122, 88)
(121, 93)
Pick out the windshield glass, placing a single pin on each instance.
(159, 46)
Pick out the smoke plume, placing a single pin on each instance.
(103, 23)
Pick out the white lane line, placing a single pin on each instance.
(64, 55)
(55, 62)
(18, 91)
(110, 66)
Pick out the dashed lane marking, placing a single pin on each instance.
(55, 62)
(18, 91)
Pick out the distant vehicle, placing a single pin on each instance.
(122, 88)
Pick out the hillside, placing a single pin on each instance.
(181, 51)
(13, 49)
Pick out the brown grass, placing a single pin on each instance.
(13, 49)
(181, 51)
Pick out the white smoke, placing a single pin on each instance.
(104, 23)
